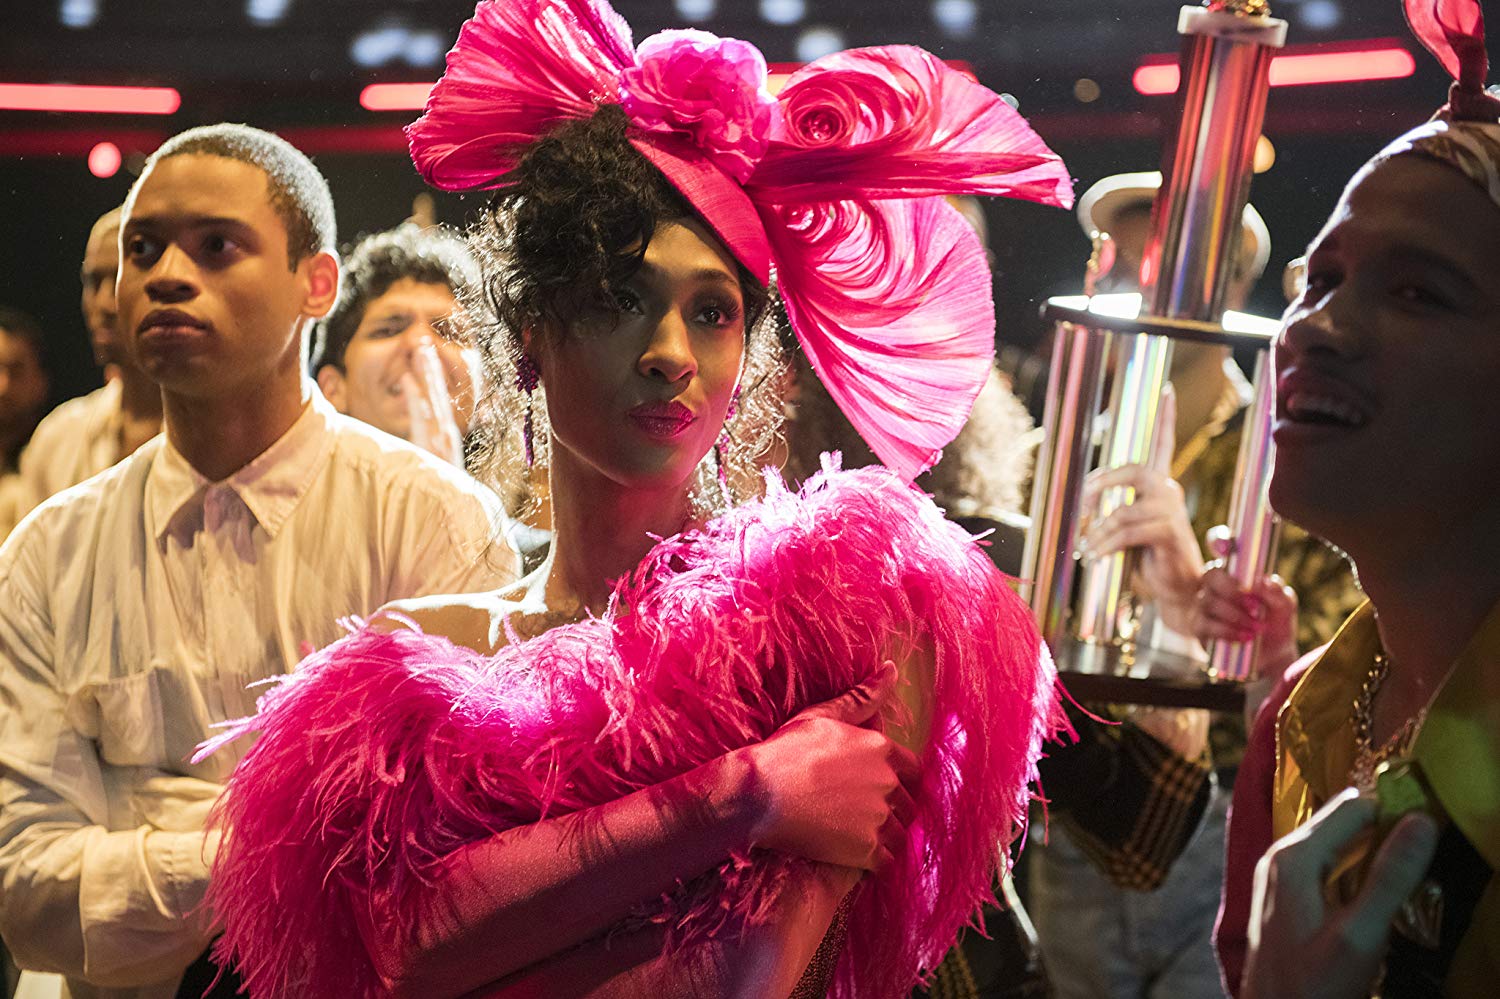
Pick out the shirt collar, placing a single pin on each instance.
(1458, 746)
(1316, 726)
(270, 486)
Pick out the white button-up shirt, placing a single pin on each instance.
(135, 609)
(78, 439)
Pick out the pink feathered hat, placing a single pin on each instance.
(837, 184)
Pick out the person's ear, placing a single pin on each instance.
(331, 382)
(320, 276)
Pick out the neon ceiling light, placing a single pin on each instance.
(1376, 62)
(91, 100)
(395, 96)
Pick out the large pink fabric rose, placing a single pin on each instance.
(886, 286)
(707, 89)
(896, 122)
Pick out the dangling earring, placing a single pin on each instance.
(721, 448)
(527, 377)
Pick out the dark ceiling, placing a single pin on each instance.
(300, 68)
(299, 75)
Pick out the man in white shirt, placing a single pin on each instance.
(137, 606)
(23, 393)
(84, 436)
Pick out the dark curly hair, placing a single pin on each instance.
(980, 473)
(372, 265)
(555, 244)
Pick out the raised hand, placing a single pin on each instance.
(433, 424)
(1267, 611)
(1154, 521)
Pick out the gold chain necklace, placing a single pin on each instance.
(1367, 757)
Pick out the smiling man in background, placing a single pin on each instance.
(388, 352)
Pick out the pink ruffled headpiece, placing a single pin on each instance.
(1465, 132)
(837, 183)
(1453, 31)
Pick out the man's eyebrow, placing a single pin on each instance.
(1431, 258)
(196, 221)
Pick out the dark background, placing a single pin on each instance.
(298, 74)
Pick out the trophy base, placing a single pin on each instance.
(1128, 674)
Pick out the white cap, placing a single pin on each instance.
(1102, 203)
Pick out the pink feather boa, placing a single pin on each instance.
(386, 751)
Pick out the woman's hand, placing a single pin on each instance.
(833, 788)
(1300, 948)
(823, 787)
(1155, 521)
(1267, 611)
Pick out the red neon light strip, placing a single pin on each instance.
(1351, 66)
(93, 100)
(1160, 78)
(395, 96)
(1342, 67)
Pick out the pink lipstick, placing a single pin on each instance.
(662, 420)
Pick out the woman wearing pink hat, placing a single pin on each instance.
(652, 765)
